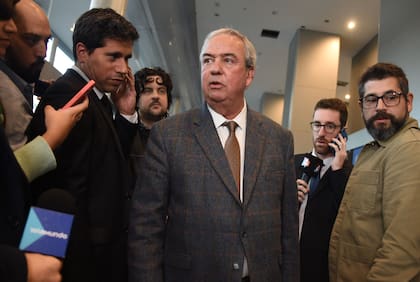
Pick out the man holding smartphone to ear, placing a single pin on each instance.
(92, 164)
(320, 196)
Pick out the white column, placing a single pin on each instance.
(312, 75)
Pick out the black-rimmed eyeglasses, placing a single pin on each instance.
(329, 127)
(390, 99)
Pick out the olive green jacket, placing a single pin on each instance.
(35, 158)
(376, 236)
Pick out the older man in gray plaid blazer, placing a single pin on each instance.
(189, 222)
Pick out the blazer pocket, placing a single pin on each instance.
(364, 190)
(182, 261)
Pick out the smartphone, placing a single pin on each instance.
(345, 136)
(79, 95)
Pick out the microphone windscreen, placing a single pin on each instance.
(57, 200)
(310, 165)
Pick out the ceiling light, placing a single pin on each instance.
(347, 97)
(351, 25)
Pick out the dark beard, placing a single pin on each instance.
(382, 133)
(33, 72)
(29, 74)
(151, 117)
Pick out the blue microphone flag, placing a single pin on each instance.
(46, 232)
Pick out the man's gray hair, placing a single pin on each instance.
(250, 52)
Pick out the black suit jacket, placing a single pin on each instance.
(92, 164)
(188, 223)
(321, 210)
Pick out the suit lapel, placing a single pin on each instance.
(253, 153)
(207, 137)
(94, 102)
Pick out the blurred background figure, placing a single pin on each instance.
(154, 98)
(21, 68)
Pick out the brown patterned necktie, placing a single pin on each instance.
(233, 152)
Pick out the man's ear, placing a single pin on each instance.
(410, 97)
(250, 76)
(82, 52)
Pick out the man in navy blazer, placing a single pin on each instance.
(189, 222)
(319, 207)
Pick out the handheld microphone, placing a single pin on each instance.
(310, 166)
(48, 226)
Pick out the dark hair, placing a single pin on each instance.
(381, 71)
(98, 24)
(141, 80)
(7, 9)
(336, 105)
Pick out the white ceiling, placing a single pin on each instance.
(171, 34)
(252, 16)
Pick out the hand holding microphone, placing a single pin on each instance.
(310, 166)
(46, 235)
(303, 189)
(42, 268)
(48, 226)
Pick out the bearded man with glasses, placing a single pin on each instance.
(376, 235)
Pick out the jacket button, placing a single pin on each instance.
(236, 266)
(244, 234)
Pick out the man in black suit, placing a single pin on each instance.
(319, 202)
(200, 214)
(92, 163)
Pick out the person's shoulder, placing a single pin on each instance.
(268, 123)
(7, 83)
(4, 76)
(180, 118)
(262, 118)
(63, 88)
(300, 156)
(70, 79)
(409, 133)
(413, 130)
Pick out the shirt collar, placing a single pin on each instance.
(219, 119)
(84, 76)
